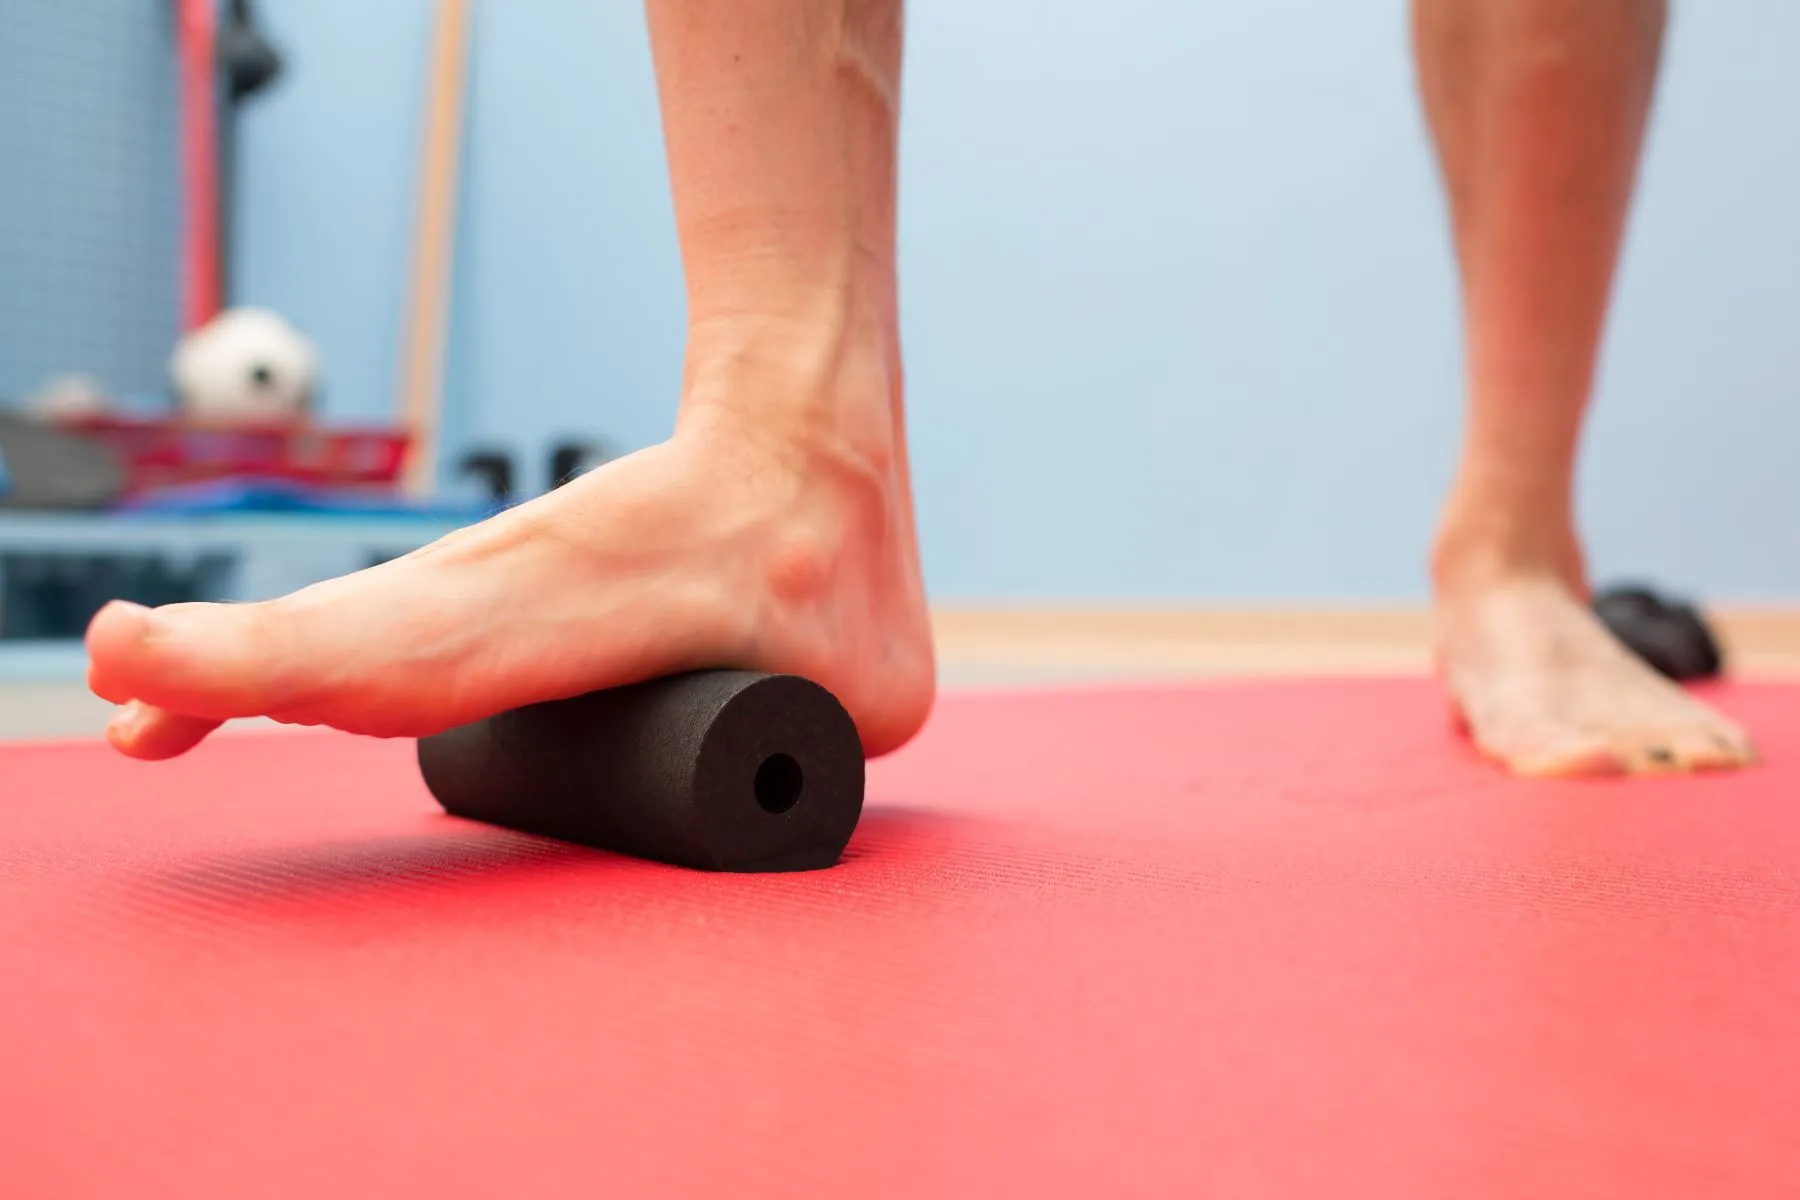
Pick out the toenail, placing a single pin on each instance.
(159, 626)
(116, 609)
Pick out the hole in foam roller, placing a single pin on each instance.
(778, 783)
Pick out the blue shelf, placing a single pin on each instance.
(270, 555)
(103, 533)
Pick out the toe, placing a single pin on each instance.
(152, 734)
(1544, 748)
(379, 651)
(1567, 757)
(112, 638)
(216, 661)
(1651, 753)
(404, 649)
(1703, 744)
(1734, 742)
(1699, 748)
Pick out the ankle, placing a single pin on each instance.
(816, 384)
(1478, 548)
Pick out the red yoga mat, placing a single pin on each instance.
(1273, 940)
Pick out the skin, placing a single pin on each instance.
(1538, 110)
(774, 529)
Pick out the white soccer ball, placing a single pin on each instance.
(245, 366)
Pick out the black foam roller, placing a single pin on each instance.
(716, 770)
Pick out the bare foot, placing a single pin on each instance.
(1546, 690)
(732, 544)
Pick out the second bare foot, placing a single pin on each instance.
(1544, 688)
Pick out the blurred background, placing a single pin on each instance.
(1178, 304)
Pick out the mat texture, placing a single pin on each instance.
(1272, 940)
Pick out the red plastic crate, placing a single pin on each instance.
(161, 453)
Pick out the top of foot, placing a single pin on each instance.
(704, 551)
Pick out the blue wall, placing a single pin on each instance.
(1179, 308)
(88, 265)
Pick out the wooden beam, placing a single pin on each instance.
(425, 331)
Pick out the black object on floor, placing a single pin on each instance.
(715, 770)
(1669, 635)
(570, 459)
(495, 470)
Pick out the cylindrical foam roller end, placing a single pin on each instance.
(716, 770)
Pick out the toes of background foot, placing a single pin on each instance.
(1696, 748)
(1558, 755)
(1649, 752)
(1697, 741)
(1662, 750)
(1731, 738)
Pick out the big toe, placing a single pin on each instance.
(380, 652)
(1549, 751)
(211, 661)
(114, 640)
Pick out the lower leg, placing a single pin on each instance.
(781, 120)
(773, 531)
(1538, 110)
